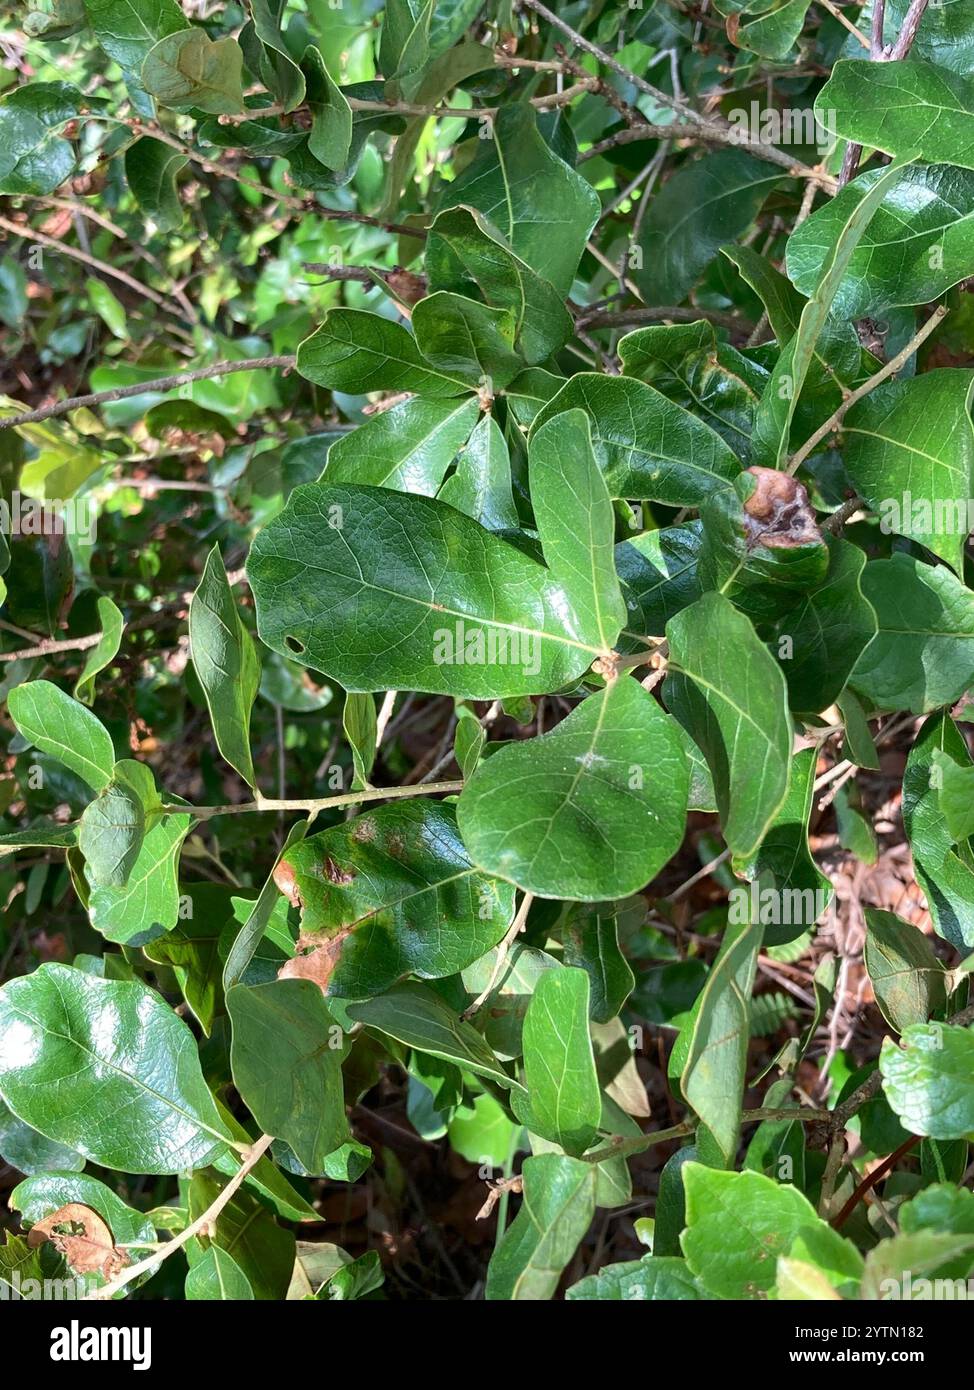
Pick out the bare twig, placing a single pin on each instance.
(50, 646)
(890, 369)
(163, 383)
(678, 314)
(200, 1226)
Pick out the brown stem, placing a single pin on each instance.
(871, 1179)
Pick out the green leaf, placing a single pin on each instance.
(392, 892)
(910, 454)
(909, 106)
(247, 939)
(923, 653)
(943, 870)
(512, 176)
(706, 203)
(898, 1267)
(408, 447)
(386, 592)
(190, 947)
(590, 937)
(563, 1103)
(713, 1076)
(687, 364)
(227, 664)
(783, 861)
(105, 1067)
(404, 38)
(34, 159)
(330, 139)
(466, 340)
(29, 1152)
(592, 810)
(147, 904)
(65, 730)
(646, 446)
(247, 1231)
(777, 409)
(556, 1210)
(360, 726)
(927, 1079)
(920, 240)
(730, 696)
(217, 1277)
(359, 352)
(651, 1279)
(109, 309)
(103, 653)
(113, 826)
(820, 641)
(188, 70)
(907, 978)
(418, 1017)
(128, 29)
(956, 786)
(267, 54)
(575, 521)
(286, 1059)
(774, 34)
(480, 486)
(150, 172)
(738, 1224)
(465, 253)
(658, 573)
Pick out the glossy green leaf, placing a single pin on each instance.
(150, 171)
(909, 106)
(943, 870)
(573, 513)
(217, 1277)
(408, 447)
(360, 725)
(467, 254)
(556, 1209)
(481, 482)
(101, 655)
(286, 1058)
(563, 1103)
(355, 351)
(263, 1251)
(592, 810)
(147, 904)
(417, 1016)
(777, 409)
(730, 696)
(646, 446)
(65, 730)
(927, 1079)
(653, 1278)
(466, 340)
(227, 664)
(34, 158)
(127, 30)
(920, 240)
(513, 174)
(820, 640)
(708, 202)
(590, 939)
(106, 1068)
(739, 1223)
(330, 138)
(714, 1074)
(923, 653)
(910, 454)
(30, 1152)
(658, 571)
(113, 826)
(393, 892)
(451, 607)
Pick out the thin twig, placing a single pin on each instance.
(622, 318)
(49, 647)
(162, 383)
(891, 368)
(515, 929)
(151, 1263)
(266, 803)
